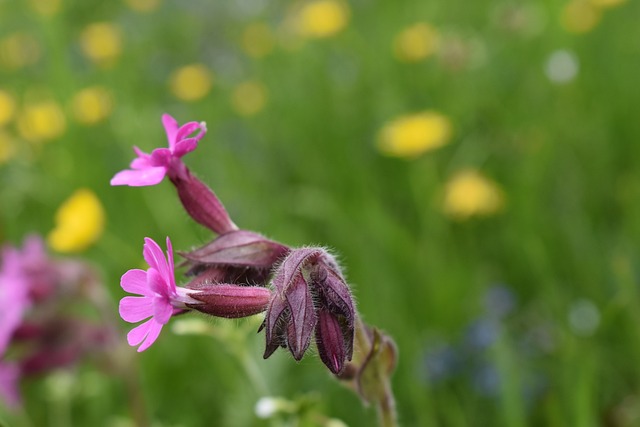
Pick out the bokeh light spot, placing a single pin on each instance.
(191, 82)
(7, 107)
(18, 50)
(249, 98)
(468, 193)
(92, 105)
(584, 317)
(412, 135)
(79, 222)
(143, 6)
(562, 66)
(45, 7)
(101, 42)
(41, 121)
(258, 40)
(416, 43)
(7, 147)
(580, 16)
(322, 18)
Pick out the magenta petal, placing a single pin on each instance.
(157, 283)
(162, 310)
(135, 282)
(186, 130)
(170, 127)
(143, 160)
(161, 157)
(9, 387)
(152, 253)
(135, 309)
(172, 280)
(152, 335)
(139, 178)
(141, 163)
(137, 334)
(155, 258)
(185, 146)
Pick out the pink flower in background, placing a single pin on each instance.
(159, 298)
(150, 169)
(9, 377)
(14, 295)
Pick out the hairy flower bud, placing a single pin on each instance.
(239, 256)
(311, 297)
(201, 203)
(225, 300)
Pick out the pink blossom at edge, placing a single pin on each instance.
(14, 294)
(9, 378)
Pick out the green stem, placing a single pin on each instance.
(253, 373)
(387, 415)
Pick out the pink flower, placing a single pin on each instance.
(150, 169)
(9, 377)
(14, 295)
(159, 297)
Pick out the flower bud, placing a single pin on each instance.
(240, 248)
(230, 301)
(240, 256)
(201, 203)
(311, 297)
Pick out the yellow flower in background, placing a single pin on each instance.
(101, 42)
(249, 98)
(18, 50)
(7, 147)
(45, 7)
(606, 4)
(322, 18)
(258, 40)
(92, 105)
(416, 43)
(468, 193)
(143, 6)
(580, 16)
(191, 82)
(79, 222)
(7, 107)
(41, 121)
(412, 135)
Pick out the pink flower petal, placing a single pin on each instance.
(135, 282)
(155, 258)
(161, 157)
(9, 390)
(186, 130)
(143, 161)
(157, 283)
(137, 334)
(162, 310)
(170, 263)
(139, 178)
(135, 309)
(170, 127)
(185, 146)
(152, 335)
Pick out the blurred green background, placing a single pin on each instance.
(473, 164)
